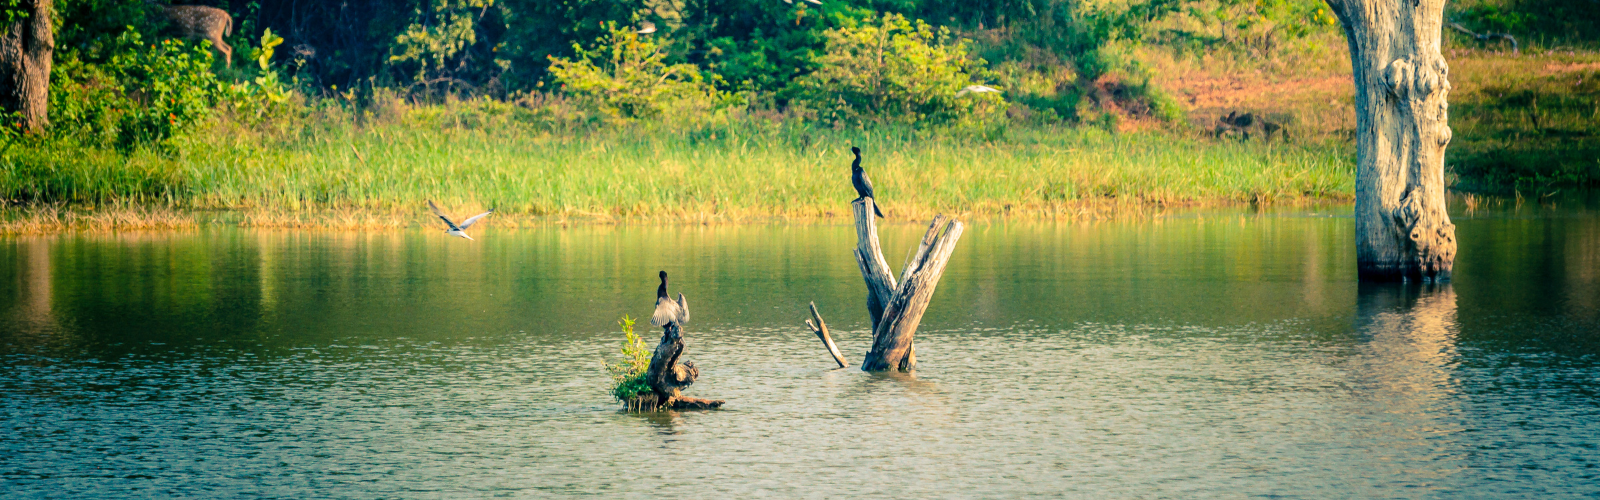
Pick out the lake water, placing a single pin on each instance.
(1211, 354)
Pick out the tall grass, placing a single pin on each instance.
(1518, 119)
(1528, 120)
(470, 155)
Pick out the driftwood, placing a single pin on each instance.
(821, 329)
(667, 378)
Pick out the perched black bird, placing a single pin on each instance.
(858, 177)
(667, 311)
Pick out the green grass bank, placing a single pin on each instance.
(471, 155)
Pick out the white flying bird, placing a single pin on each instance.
(647, 27)
(817, 2)
(457, 230)
(976, 89)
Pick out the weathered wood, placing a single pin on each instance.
(667, 378)
(821, 329)
(869, 257)
(909, 362)
(891, 341)
(688, 403)
(896, 307)
(1401, 84)
(921, 253)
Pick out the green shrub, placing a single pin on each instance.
(895, 71)
(265, 95)
(144, 92)
(171, 85)
(627, 77)
(438, 38)
(627, 376)
(150, 92)
(86, 101)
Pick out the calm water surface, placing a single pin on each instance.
(1205, 355)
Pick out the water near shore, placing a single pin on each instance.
(1214, 354)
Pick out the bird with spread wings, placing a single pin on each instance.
(458, 230)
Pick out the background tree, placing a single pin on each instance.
(25, 51)
(1401, 80)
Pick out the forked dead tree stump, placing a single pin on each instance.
(896, 306)
(667, 378)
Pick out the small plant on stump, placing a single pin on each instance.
(628, 376)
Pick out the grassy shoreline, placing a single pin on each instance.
(335, 172)
(46, 219)
(330, 162)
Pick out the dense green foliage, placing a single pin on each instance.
(165, 88)
(626, 76)
(130, 91)
(893, 70)
(769, 51)
(1546, 22)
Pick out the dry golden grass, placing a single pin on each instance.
(1519, 118)
(56, 219)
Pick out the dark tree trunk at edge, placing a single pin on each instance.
(26, 48)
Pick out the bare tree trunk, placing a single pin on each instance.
(25, 54)
(874, 269)
(1401, 80)
(895, 324)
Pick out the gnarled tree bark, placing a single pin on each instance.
(26, 48)
(667, 378)
(1401, 80)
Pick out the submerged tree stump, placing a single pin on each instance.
(667, 378)
(897, 307)
(1401, 81)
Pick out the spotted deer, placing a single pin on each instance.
(198, 22)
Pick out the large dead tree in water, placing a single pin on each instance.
(1401, 80)
(26, 48)
(897, 307)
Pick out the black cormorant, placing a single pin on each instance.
(667, 311)
(858, 177)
